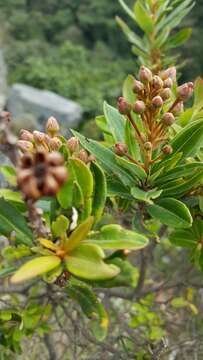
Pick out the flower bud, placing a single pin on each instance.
(73, 144)
(145, 74)
(83, 156)
(52, 126)
(55, 143)
(169, 73)
(157, 82)
(167, 149)
(123, 106)
(91, 158)
(148, 146)
(166, 94)
(138, 87)
(26, 135)
(139, 107)
(168, 119)
(39, 137)
(178, 109)
(168, 83)
(157, 102)
(25, 146)
(121, 149)
(185, 91)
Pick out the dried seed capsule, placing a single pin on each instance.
(167, 149)
(55, 143)
(148, 146)
(139, 107)
(168, 119)
(123, 106)
(157, 82)
(73, 144)
(166, 94)
(26, 135)
(157, 102)
(120, 149)
(138, 87)
(185, 91)
(168, 83)
(25, 146)
(52, 126)
(145, 74)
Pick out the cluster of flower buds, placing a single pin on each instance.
(74, 148)
(158, 102)
(41, 174)
(40, 141)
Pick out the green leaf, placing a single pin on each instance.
(91, 306)
(35, 267)
(134, 169)
(11, 195)
(198, 91)
(116, 188)
(178, 172)
(171, 212)
(127, 9)
(183, 238)
(115, 237)
(65, 194)
(79, 234)
(179, 38)
(60, 226)
(116, 122)
(145, 196)
(128, 93)
(9, 174)
(132, 37)
(143, 19)
(7, 271)
(100, 191)
(11, 220)
(86, 262)
(105, 157)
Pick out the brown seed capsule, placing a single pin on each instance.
(157, 82)
(41, 175)
(167, 149)
(168, 119)
(178, 109)
(123, 106)
(148, 146)
(26, 135)
(120, 149)
(185, 91)
(25, 146)
(73, 144)
(138, 87)
(157, 102)
(83, 156)
(145, 74)
(166, 94)
(55, 143)
(52, 126)
(168, 83)
(139, 107)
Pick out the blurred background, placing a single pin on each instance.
(75, 49)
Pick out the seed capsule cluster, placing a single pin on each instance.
(158, 101)
(41, 174)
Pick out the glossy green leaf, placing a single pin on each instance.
(127, 9)
(11, 195)
(145, 196)
(171, 212)
(132, 37)
(116, 188)
(179, 38)
(115, 237)
(116, 122)
(181, 171)
(65, 194)
(134, 169)
(9, 174)
(86, 262)
(83, 176)
(12, 221)
(35, 267)
(60, 226)
(128, 93)
(100, 191)
(143, 19)
(198, 91)
(79, 234)
(7, 271)
(183, 238)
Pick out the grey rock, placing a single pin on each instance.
(42, 104)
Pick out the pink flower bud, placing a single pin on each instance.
(185, 91)
(25, 146)
(157, 82)
(166, 94)
(52, 126)
(39, 137)
(138, 87)
(178, 109)
(145, 74)
(123, 106)
(26, 135)
(169, 73)
(73, 144)
(55, 143)
(121, 149)
(168, 83)
(168, 119)
(167, 149)
(139, 107)
(83, 156)
(157, 102)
